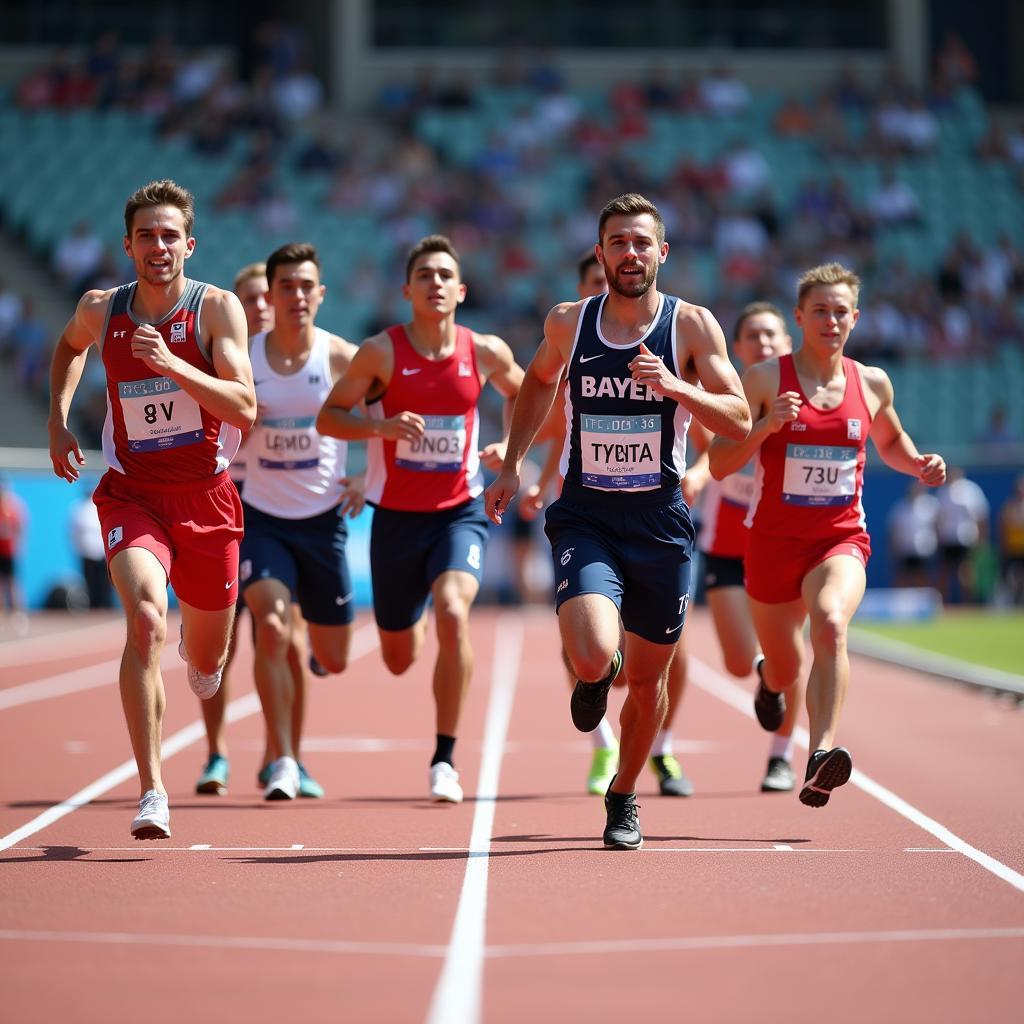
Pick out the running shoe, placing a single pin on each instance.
(284, 780)
(204, 686)
(779, 777)
(316, 668)
(263, 775)
(308, 786)
(215, 776)
(826, 770)
(444, 784)
(622, 828)
(770, 707)
(671, 780)
(590, 700)
(154, 818)
(603, 765)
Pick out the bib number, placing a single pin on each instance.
(819, 475)
(289, 443)
(440, 449)
(621, 453)
(159, 414)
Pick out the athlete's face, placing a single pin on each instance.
(296, 293)
(254, 294)
(158, 245)
(435, 286)
(762, 336)
(631, 254)
(594, 282)
(827, 315)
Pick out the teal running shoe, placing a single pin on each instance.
(308, 786)
(214, 780)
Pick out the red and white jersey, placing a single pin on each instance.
(155, 431)
(723, 510)
(441, 469)
(810, 475)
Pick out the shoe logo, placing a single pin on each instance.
(343, 600)
(672, 629)
(590, 359)
(409, 371)
(229, 584)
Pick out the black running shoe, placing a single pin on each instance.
(671, 780)
(826, 769)
(622, 830)
(590, 700)
(769, 707)
(316, 668)
(779, 778)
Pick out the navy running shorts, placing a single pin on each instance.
(639, 558)
(720, 571)
(409, 550)
(307, 556)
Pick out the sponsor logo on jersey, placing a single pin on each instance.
(617, 387)
(853, 430)
(178, 333)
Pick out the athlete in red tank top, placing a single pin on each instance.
(179, 391)
(808, 550)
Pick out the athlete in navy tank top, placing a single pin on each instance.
(620, 534)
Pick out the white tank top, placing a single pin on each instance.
(293, 472)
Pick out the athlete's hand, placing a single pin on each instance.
(406, 426)
(148, 345)
(931, 469)
(64, 444)
(694, 481)
(649, 369)
(531, 504)
(784, 409)
(499, 495)
(493, 456)
(353, 498)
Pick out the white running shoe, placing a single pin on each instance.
(203, 686)
(154, 818)
(444, 784)
(284, 780)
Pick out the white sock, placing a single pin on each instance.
(602, 738)
(662, 744)
(782, 746)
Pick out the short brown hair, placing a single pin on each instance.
(249, 271)
(432, 243)
(292, 252)
(587, 261)
(161, 193)
(754, 309)
(631, 204)
(827, 273)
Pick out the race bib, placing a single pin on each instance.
(621, 453)
(440, 449)
(289, 442)
(819, 475)
(738, 488)
(159, 414)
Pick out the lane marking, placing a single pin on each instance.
(783, 846)
(83, 638)
(735, 696)
(697, 943)
(457, 998)
(364, 640)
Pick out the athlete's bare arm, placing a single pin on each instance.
(893, 443)
(770, 412)
(366, 378)
(496, 363)
(353, 497)
(342, 354)
(539, 386)
(66, 368)
(696, 476)
(719, 403)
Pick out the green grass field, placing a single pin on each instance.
(995, 639)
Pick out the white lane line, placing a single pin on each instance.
(90, 677)
(703, 942)
(457, 998)
(364, 640)
(200, 846)
(735, 696)
(783, 846)
(229, 942)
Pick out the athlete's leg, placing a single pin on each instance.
(453, 593)
(646, 668)
(141, 584)
(401, 647)
(331, 646)
(730, 613)
(590, 629)
(831, 591)
(676, 684)
(298, 656)
(213, 710)
(207, 635)
(269, 603)
(780, 633)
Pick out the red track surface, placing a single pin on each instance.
(369, 905)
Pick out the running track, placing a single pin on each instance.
(903, 900)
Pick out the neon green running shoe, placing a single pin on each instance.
(671, 779)
(214, 779)
(603, 766)
(308, 786)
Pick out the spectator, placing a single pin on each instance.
(962, 527)
(1011, 543)
(913, 540)
(723, 94)
(78, 257)
(87, 541)
(13, 520)
(894, 202)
